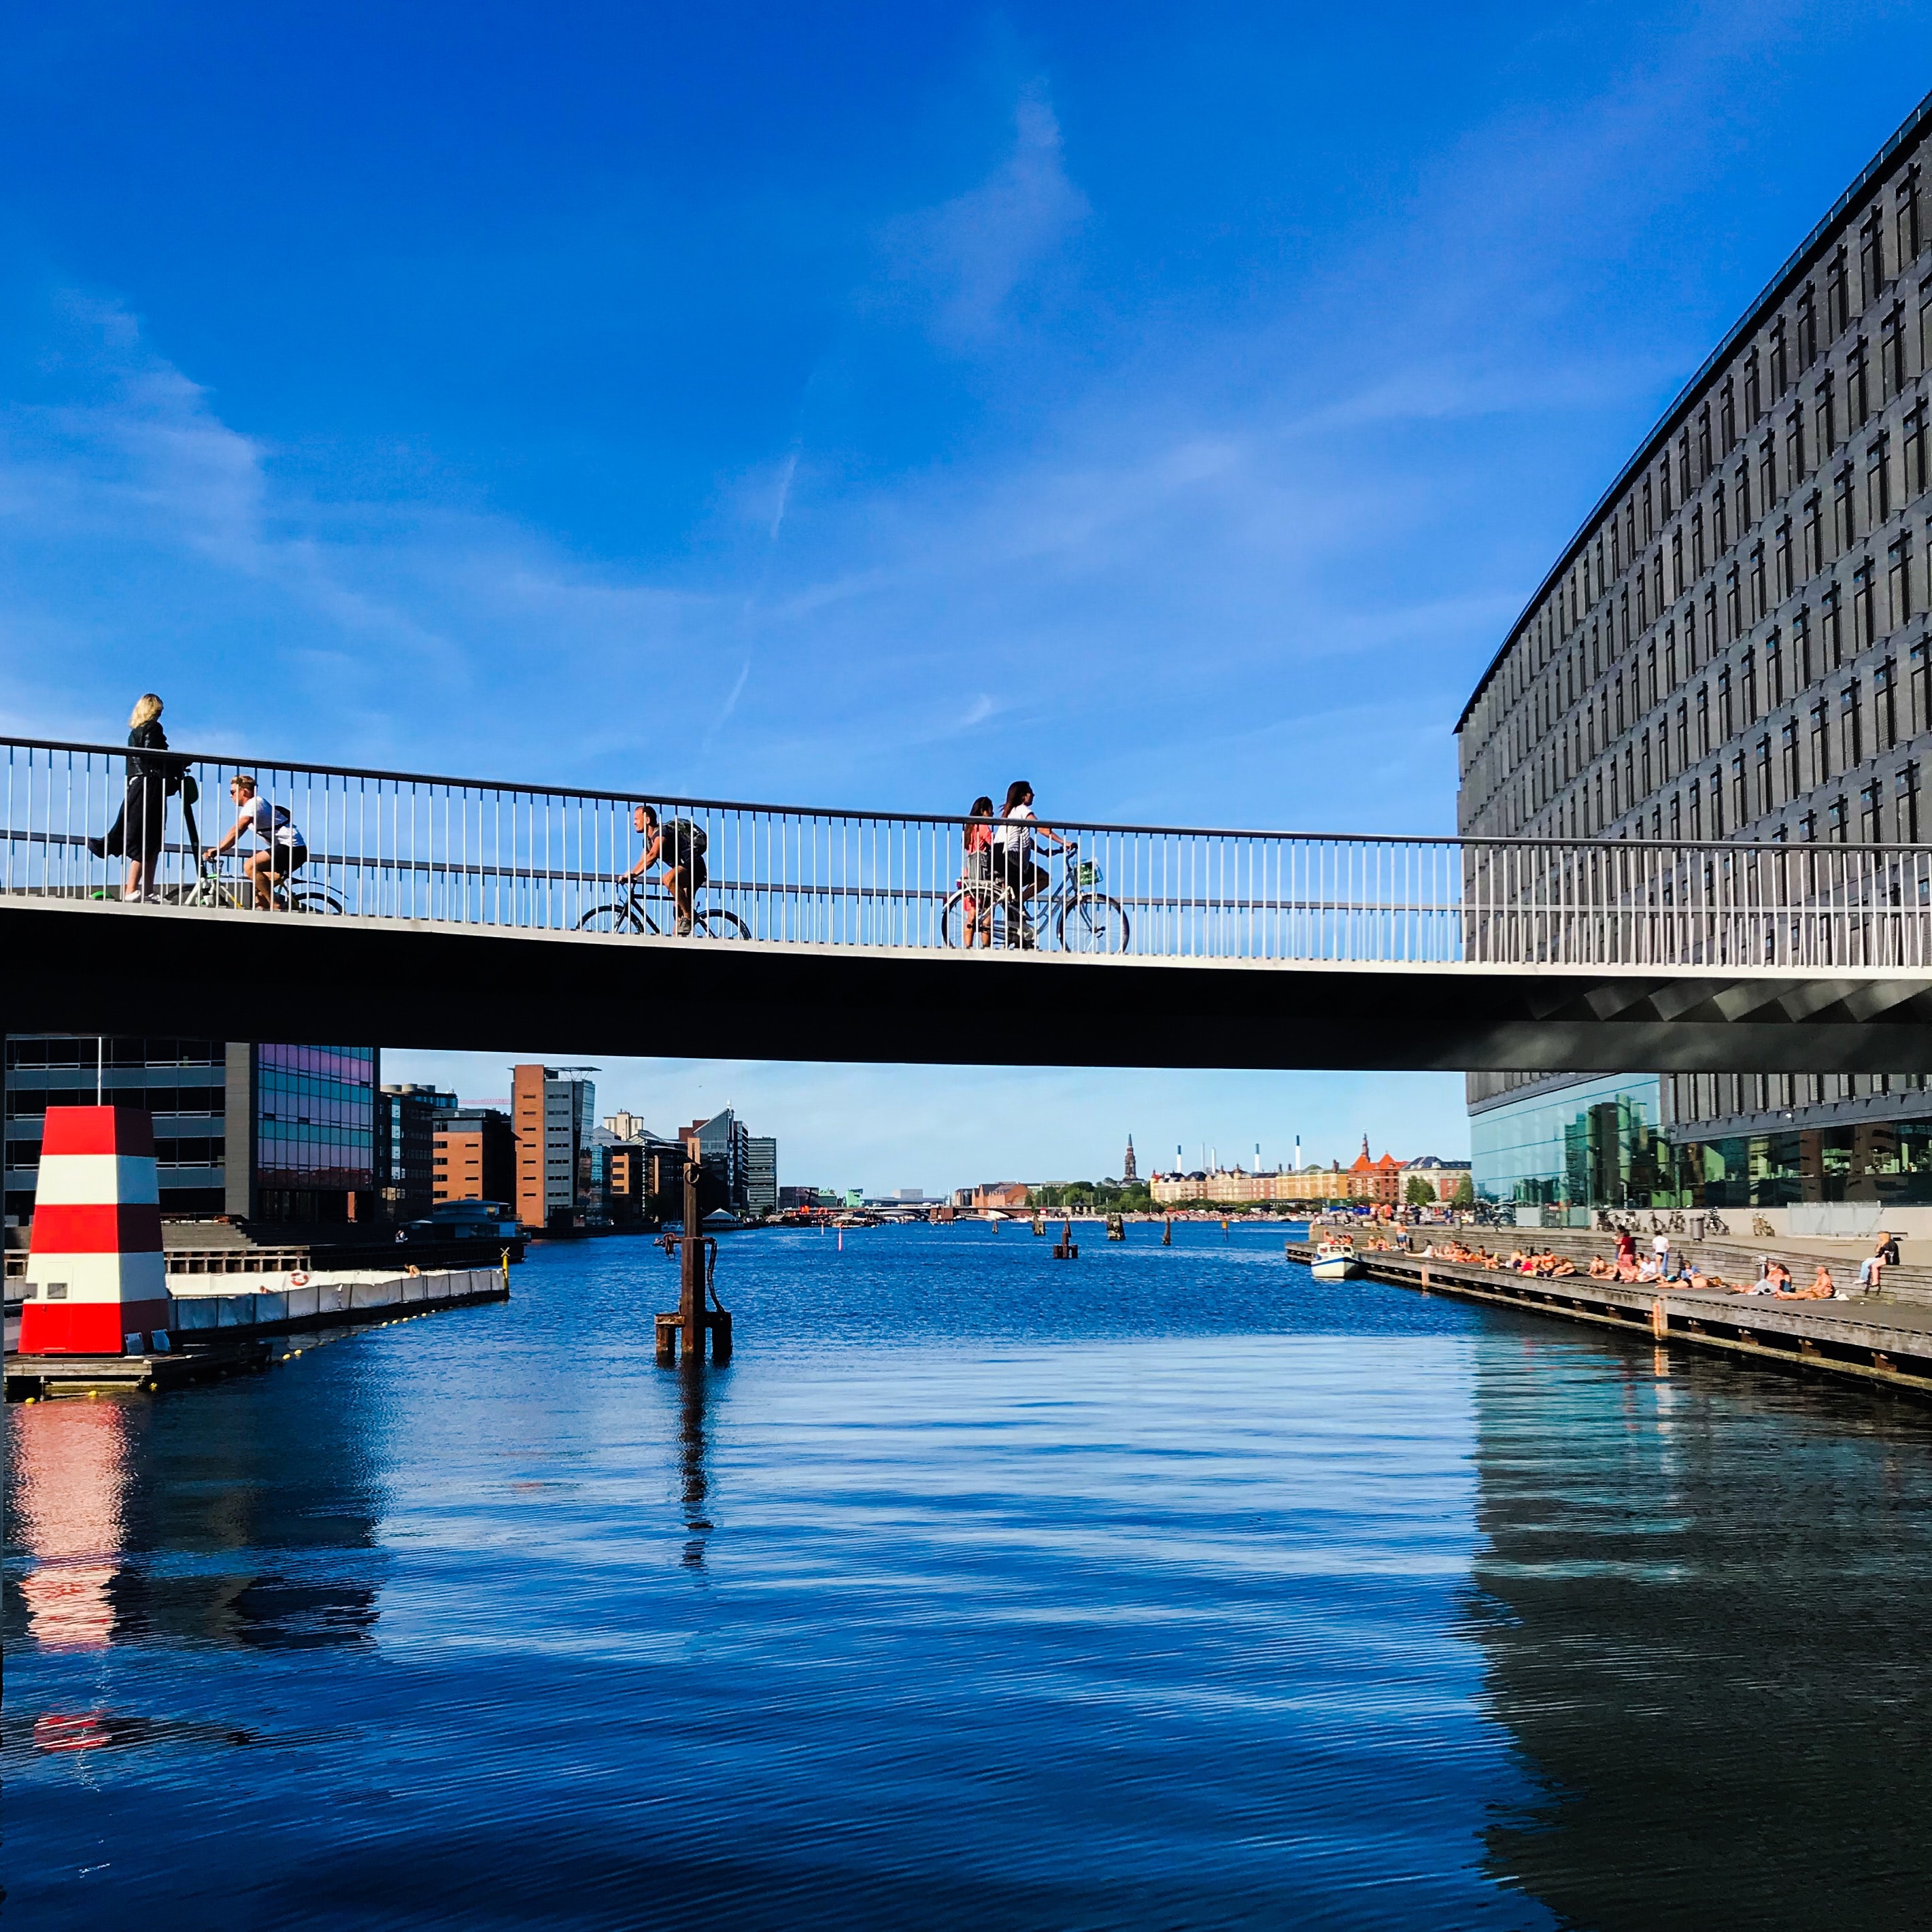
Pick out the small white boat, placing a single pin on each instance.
(1333, 1262)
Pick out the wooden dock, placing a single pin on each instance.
(1869, 1339)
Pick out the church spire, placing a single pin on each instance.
(1129, 1171)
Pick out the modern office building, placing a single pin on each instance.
(475, 1156)
(270, 1134)
(552, 1115)
(723, 1145)
(406, 1118)
(1734, 646)
(761, 1174)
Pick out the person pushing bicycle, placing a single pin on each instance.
(678, 845)
(283, 850)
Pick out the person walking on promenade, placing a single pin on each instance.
(679, 847)
(1013, 840)
(977, 878)
(282, 848)
(140, 826)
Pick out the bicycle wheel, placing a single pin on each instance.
(719, 924)
(1094, 923)
(622, 917)
(317, 899)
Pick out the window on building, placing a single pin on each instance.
(1734, 597)
(1727, 416)
(1703, 720)
(1851, 726)
(1766, 798)
(1825, 416)
(1878, 480)
(1747, 685)
(1919, 666)
(1821, 742)
(1814, 534)
(1788, 737)
(1838, 295)
(1684, 467)
(1870, 798)
(1697, 542)
(1697, 811)
(1774, 672)
(1807, 327)
(1885, 705)
(1704, 463)
(1650, 674)
(1753, 390)
(1726, 724)
(1677, 562)
(1892, 350)
(1905, 218)
(1740, 792)
(1784, 581)
(1683, 735)
(1864, 614)
(1837, 818)
(1905, 796)
(1676, 815)
(1779, 362)
(1801, 650)
(1898, 579)
(1858, 385)
(1794, 443)
(1844, 524)
(1871, 257)
(1807, 827)
(1669, 658)
(1831, 624)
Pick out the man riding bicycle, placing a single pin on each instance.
(282, 851)
(679, 847)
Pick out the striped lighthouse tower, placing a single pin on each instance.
(97, 1284)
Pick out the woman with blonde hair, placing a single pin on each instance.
(137, 834)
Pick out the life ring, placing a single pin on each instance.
(298, 1280)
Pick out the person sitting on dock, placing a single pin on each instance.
(1822, 1288)
(1871, 1269)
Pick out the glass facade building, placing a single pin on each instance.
(273, 1133)
(315, 1131)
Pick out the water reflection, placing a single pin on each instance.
(70, 1464)
(1702, 1625)
(694, 1398)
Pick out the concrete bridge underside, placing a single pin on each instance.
(95, 966)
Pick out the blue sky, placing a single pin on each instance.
(864, 404)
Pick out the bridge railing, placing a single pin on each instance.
(409, 847)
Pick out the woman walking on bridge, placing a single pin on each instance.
(139, 828)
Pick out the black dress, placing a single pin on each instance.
(139, 831)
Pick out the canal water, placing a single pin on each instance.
(1166, 1588)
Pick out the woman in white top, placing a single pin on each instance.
(1013, 841)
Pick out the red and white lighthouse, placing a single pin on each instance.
(96, 1283)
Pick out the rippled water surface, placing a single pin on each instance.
(1164, 1588)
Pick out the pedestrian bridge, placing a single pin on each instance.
(457, 912)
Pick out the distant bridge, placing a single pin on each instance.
(453, 912)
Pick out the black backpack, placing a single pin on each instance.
(681, 837)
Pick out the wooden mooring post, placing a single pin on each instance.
(1167, 1233)
(1063, 1249)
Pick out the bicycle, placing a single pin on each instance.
(216, 885)
(631, 914)
(1085, 920)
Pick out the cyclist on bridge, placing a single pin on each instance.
(282, 851)
(678, 845)
(1013, 839)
